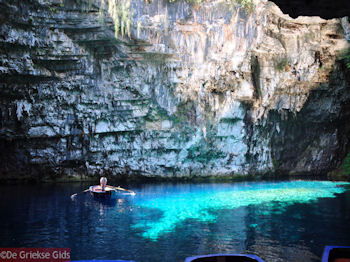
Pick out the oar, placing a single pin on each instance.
(74, 195)
(123, 189)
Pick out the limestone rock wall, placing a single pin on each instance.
(215, 89)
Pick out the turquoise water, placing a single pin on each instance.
(278, 221)
(200, 202)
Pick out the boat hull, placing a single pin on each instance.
(97, 193)
(336, 253)
(225, 258)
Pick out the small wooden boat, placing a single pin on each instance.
(98, 193)
(225, 258)
(336, 253)
(110, 192)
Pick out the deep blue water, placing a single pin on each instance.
(279, 221)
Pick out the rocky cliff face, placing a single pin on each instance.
(214, 89)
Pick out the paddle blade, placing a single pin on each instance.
(129, 193)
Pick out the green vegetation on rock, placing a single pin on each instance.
(281, 64)
(345, 167)
(121, 13)
(230, 120)
(203, 153)
(246, 4)
(156, 114)
(346, 57)
(343, 172)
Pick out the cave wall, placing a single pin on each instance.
(214, 89)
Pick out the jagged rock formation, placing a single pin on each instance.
(214, 89)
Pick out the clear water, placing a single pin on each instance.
(279, 221)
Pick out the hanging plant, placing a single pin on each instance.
(121, 14)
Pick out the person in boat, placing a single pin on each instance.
(103, 187)
(103, 183)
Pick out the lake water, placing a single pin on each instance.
(279, 221)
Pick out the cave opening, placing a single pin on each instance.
(326, 9)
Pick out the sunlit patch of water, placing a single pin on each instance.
(161, 214)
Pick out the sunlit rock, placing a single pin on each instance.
(180, 90)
